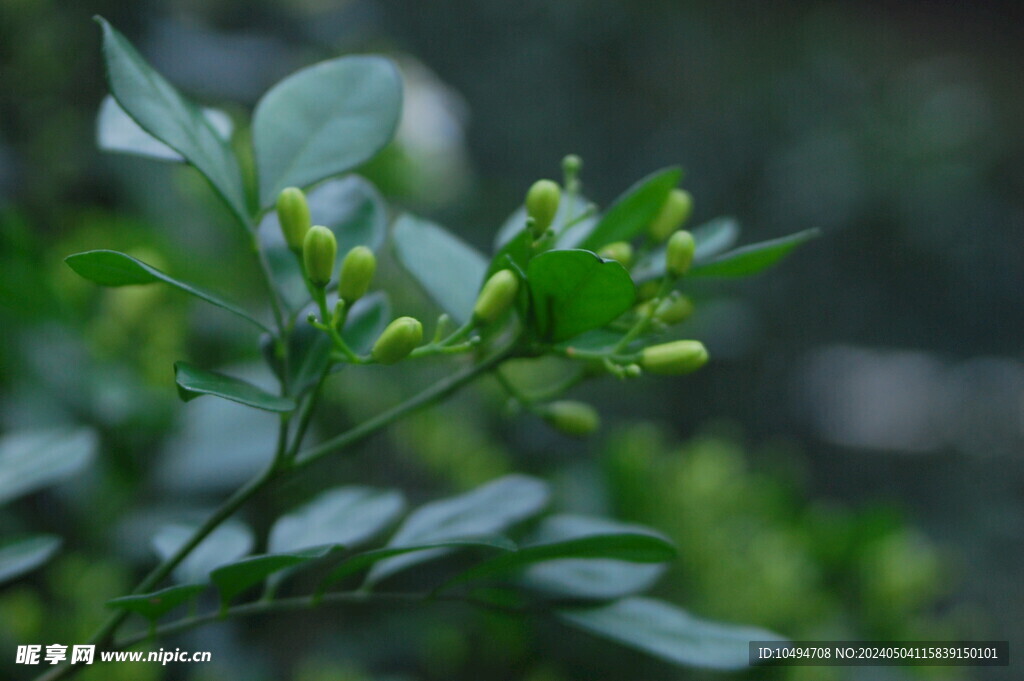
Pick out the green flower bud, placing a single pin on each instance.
(398, 340)
(319, 249)
(620, 251)
(674, 309)
(677, 357)
(293, 215)
(632, 370)
(577, 419)
(674, 212)
(356, 274)
(679, 253)
(572, 165)
(496, 296)
(542, 204)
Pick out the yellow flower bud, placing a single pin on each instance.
(399, 339)
(356, 274)
(542, 204)
(679, 253)
(577, 419)
(674, 212)
(496, 296)
(293, 216)
(319, 250)
(620, 251)
(676, 357)
(674, 309)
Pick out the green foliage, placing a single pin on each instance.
(193, 382)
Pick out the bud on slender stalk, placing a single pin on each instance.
(319, 250)
(577, 419)
(674, 212)
(679, 253)
(677, 357)
(572, 165)
(399, 339)
(542, 204)
(674, 309)
(356, 274)
(496, 296)
(620, 251)
(293, 216)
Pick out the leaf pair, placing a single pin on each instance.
(319, 122)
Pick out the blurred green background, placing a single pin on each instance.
(848, 466)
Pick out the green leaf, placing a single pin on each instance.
(31, 459)
(117, 132)
(348, 516)
(165, 114)
(361, 561)
(668, 633)
(634, 210)
(193, 381)
(234, 578)
(110, 268)
(25, 555)
(487, 510)
(323, 121)
(629, 547)
(154, 605)
(752, 259)
(576, 291)
(226, 544)
(449, 270)
(593, 578)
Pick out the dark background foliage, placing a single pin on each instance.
(876, 378)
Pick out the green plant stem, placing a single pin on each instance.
(431, 395)
(275, 296)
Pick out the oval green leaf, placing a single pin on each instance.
(226, 544)
(193, 381)
(449, 270)
(162, 112)
(349, 516)
(575, 291)
(25, 555)
(668, 633)
(323, 121)
(487, 510)
(154, 605)
(31, 459)
(233, 579)
(110, 268)
(634, 210)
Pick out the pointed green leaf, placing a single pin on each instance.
(668, 633)
(361, 561)
(348, 516)
(449, 270)
(226, 544)
(193, 381)
(117, 132)
(235, 578)
(576, 291)
(323, 121)
(752, 259)
(110, 268)
(593, 578)
(31, 459)
(154, 605)
(25, 555)
(634, 210)
(488, 509)
(165, 114)
(629, 547)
